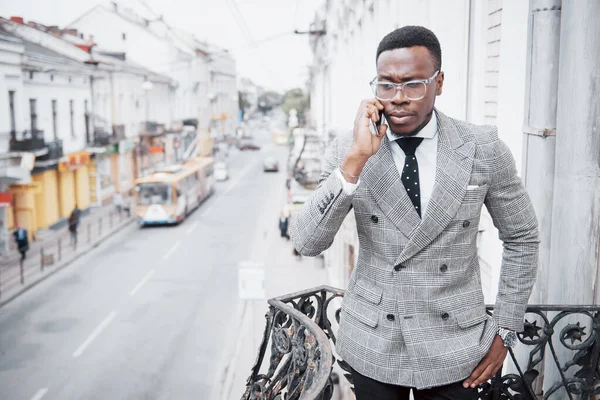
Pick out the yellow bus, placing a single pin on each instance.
(167, 196)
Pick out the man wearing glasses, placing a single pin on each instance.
(413, 316)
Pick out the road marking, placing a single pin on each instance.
(139, 285)
(240, 176)
(191, 228)
(250, 264)
(40, 393)
(95, 334)
(175, 246)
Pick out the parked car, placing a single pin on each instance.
(248, 146)
(270, 164)
(221, 172)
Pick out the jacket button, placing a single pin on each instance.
(399, 267)
(466, 224)
(331, 196)
(444, 268)
(374, 219)
(390, 317)
(445, 316)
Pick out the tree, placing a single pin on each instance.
(268, 100)
(296, 99)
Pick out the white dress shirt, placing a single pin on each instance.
(426, 155)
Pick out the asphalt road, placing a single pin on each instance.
(147, 314)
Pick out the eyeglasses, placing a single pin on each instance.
(412, 90)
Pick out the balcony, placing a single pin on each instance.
(27, 141)
(301, 337)
(101, 137)
(118, 132)
(150, 128)
(55, 151)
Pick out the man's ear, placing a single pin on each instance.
(440, 85)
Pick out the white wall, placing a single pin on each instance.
(10, 79)
(44, 90)
(156, 49)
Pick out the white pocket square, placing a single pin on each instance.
(473, 187)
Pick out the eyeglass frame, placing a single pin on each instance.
(401, 86)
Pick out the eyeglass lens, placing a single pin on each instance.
(412, 91)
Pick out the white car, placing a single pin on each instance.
(221, 173)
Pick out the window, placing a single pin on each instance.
(11, 102)
(87, 120)
(54, 119)
(51, 78)
(33, 114)
(154, 193)
(30, 75)
(72, 112)
(124, 35)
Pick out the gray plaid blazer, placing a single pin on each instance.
(413, 313)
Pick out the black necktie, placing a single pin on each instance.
(410, 172)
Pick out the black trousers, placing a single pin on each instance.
(370, 389)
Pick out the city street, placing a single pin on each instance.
(150, 313)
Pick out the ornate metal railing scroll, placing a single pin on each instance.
(301, 337)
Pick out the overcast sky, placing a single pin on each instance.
(279, 63)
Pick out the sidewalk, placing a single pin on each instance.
(283, 274)
(53, 250)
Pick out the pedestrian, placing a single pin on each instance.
(283, 225)
(413, 317)
(118, 202)
(74, 225)
(22, 240)
(127, 205)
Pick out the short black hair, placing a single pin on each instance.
(409, 36)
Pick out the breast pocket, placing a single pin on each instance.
(476, 194)
(472, 202)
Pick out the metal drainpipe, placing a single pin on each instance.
(539, 140)
(539, 132)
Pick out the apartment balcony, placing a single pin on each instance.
(55, 150)
(118, 132)
(300, 334)
(27, 141)
(101, 138)
(151, 128)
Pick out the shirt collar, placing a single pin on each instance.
(428, 131)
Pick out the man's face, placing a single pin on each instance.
(406, 116)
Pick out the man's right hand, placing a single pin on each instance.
(365, 143)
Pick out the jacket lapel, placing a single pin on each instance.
(383, 179)
(453, 172)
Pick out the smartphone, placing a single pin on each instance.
(377, 124)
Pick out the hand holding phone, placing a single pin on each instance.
(375, 130)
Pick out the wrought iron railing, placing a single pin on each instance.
(27, 141)
(55, 151)
(302, 337)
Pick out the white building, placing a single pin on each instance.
(204, 76)
(484, 60)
